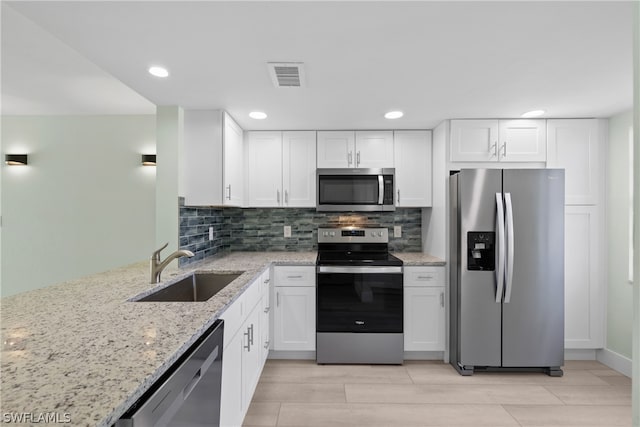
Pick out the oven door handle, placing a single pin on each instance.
(360, 270)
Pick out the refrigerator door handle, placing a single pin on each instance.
(510, 229)
(501, 246)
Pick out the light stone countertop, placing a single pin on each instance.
(418, 259)
(81, 350)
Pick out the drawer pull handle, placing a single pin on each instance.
(248, 346)
(441, 299)
(295, 277)
(425, 277)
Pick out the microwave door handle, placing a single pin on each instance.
(380, 189)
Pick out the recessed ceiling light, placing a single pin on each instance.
(158, 71)
(393, 115)
(258, 115)
(534, 113)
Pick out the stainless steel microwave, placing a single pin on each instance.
(367, 190)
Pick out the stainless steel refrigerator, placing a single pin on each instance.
(507, 270)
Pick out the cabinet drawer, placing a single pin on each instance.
(295, 276)
(423, 276)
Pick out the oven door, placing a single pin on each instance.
(359, 299)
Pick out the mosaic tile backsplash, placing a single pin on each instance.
(260, 229)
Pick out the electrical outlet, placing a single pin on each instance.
(210, 233)
(287, 231)
(397, 231)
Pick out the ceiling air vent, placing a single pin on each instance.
(286, 74)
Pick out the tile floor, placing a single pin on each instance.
(428, 393)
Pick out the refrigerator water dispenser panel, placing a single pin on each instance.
(481, 250)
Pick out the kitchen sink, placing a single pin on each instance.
(196, 287)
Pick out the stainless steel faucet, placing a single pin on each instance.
(157, 266)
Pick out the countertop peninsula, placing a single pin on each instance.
(81, 351)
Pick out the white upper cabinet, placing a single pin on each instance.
(412, 154)
(359, 149)
(374, 149)
(213, 159)
(233, 149)
(264, 168)
(498, 141)
(335, 149)
(573, 146)
(299, 169)
(281, 169)
(474, 140)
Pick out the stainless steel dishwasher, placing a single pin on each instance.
(188, 395)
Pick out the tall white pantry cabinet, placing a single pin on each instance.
(577, 146)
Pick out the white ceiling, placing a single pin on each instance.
(433, 60)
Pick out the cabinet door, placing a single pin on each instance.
(231, 409)
(474, 140)
(265, 169)
(336, 149)
(295, 318)
(252, 360)
(233, 164)
(522, 141)
(424, 319)
(202, 162)
(374, 149)
(574, 146)
(584, 292)
(413, 168)
(299, 169)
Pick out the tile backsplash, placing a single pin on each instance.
(262, 229)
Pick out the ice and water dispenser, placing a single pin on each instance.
(481, 253)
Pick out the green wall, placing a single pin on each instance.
(620, 290)
(82, 205)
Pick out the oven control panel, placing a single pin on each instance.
(353, 235)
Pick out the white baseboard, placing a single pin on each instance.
(292, 355)
(579, 354)
(424, 355)
(615, 361)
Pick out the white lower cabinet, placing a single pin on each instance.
(424, 309)
(294, 318)
(243, 355)
(265, 327)
(584, 293)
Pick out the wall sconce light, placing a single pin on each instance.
(15, 159)
(148, 159)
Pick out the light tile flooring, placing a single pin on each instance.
(428, 393)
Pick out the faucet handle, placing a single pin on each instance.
(156, 254)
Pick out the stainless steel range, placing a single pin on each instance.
(359, 317)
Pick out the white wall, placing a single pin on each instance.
(84, 204)
(620, 291)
